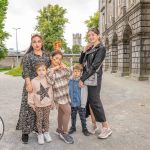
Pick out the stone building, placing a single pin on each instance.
(125, 31)
(77, 39)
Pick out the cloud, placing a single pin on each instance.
(22, 13)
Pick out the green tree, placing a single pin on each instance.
(3, 34)
(51, 23)
(93, 21)
(76, 49)
(67, 50)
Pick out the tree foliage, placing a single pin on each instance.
(67, 50)
(51, 23)
(76, 49)
(3, 34)
(93, 21)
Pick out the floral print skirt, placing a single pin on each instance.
(27, 117)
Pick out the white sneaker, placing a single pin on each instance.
(47, 137)
(93, 130)
(106, 132)
(40, 139)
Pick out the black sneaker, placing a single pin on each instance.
(86, 132)
(66, 138)
(72, 130)
(25, 138)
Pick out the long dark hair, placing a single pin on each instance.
(57, 53)
(31, 48)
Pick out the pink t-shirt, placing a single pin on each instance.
(42, 94)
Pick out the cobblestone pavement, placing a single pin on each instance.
(127, 107)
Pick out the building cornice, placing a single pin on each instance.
(125, 17)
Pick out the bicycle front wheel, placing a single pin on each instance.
(2, 128)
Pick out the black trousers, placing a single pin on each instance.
(82, 114)
(95, 102)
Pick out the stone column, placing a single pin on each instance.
(121, 71)
(114, 59)
(106, 61)
(124, 7)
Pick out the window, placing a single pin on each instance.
(119, 7)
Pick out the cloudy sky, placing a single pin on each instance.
(22, 14)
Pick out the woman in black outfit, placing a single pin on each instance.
(92, 58)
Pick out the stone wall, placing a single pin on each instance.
(11, 60)
(127, 40)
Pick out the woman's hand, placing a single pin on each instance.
(33, 107)
(81, 84)
(29, 87)
(87, 47)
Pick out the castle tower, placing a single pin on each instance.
(77, 39)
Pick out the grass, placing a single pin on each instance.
(4, 69)
(17, 71)
(67, 63)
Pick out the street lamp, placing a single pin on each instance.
(16, 29)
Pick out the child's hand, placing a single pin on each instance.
(57, 67)
(63, 66)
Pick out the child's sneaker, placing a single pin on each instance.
(58, 131)
(72, 130)
(47, 137)
(40, 139)
(106, 132)
(93, 130)
(86, 132)
(66, 138)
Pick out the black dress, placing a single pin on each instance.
(27, 117)
(93, 59)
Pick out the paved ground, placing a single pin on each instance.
(127, 106)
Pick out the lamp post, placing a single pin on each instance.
(16, 29)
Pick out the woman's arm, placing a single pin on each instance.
(81, 57)
(26, 73)
(31, 100)
(28, 85)
(26, 67)
(86, 48)
(95, 65)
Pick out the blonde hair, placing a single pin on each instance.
(38, 65)
(78, 67)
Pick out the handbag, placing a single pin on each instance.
(92, 80)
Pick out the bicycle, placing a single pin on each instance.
(2, 127)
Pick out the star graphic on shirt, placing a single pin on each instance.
(43, 92)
